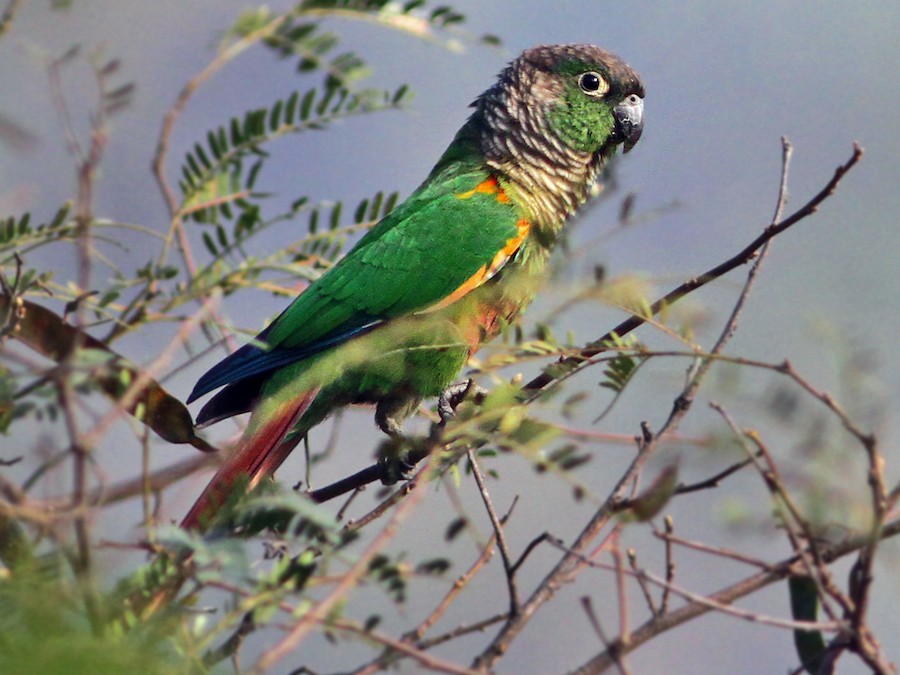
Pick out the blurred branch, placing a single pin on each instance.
(323, 609)
(725, 597)
(8, 15)
(514, 601)
(415, 636)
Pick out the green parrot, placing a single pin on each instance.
(394, 321)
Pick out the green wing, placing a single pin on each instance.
(428, 249)
(416, 257)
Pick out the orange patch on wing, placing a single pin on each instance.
(485, 272)
(489, 186)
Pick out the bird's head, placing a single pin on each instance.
(550, 121)
(569, 105)
(587, 97)
(547, 125)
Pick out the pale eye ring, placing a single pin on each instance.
(593, 83)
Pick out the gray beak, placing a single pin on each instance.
(629, 116)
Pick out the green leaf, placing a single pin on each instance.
(335, 219)
(359, 215)
(210, 245)
(275, 115)
(290, 107)
(654, 497)
(454, 528)
(810, 644)
(376, 206)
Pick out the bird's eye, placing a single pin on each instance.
(593, 84)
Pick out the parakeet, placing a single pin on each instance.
(394, 321)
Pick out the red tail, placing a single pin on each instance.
(258, 456)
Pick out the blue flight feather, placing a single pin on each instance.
(252, 360)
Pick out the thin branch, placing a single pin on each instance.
(712, 481)
(645, 590)
(528, 549)
(779, 571)
(486, 554)
(415, 635)
(477, 627)
(669, 537)
(598, 629)
(572, 363)
(670, 565)
(796, 527)
(171, 117)
(514, 602)
(621, 589)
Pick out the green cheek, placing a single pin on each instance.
(584, 123)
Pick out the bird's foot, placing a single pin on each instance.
(455, 394)
(394, 464)
(392, 470)
(391, 413)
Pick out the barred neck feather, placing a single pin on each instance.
(549, 178)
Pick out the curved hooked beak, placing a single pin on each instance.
(629, 116)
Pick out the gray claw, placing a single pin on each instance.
(455, 394)
(395, 469)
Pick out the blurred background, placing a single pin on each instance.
(725, 81)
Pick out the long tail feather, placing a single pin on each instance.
(261, 452)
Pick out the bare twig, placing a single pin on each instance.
(645, 590)
(777, 572)
(533, 544)
(621, 592)
(866, 645)
(669, 537)
(670, 565)
(486, 554)
(713, 481)
(465, 629)
(572, 363)
(796, 527)
(176, 229)
(612, 648)
(514, 602)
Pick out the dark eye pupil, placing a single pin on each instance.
(590, 82)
